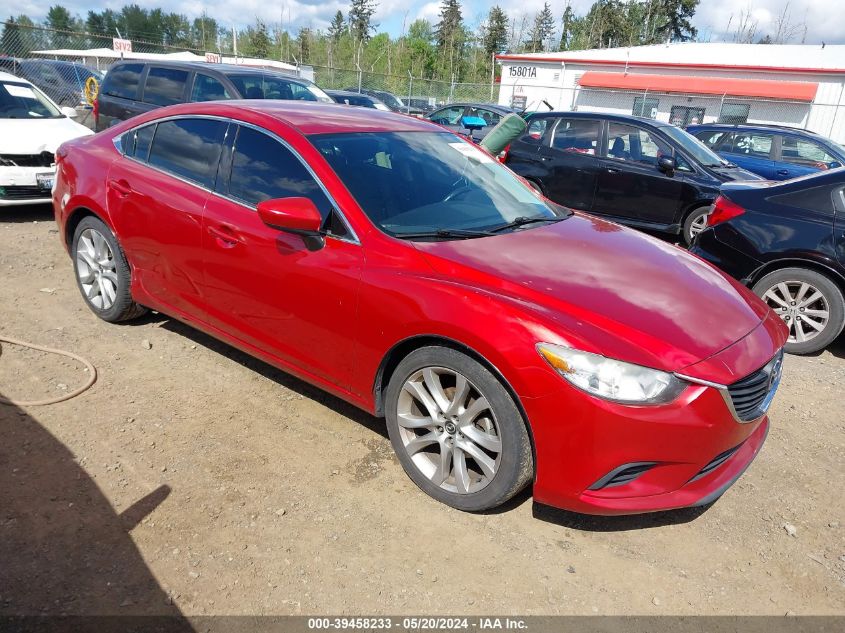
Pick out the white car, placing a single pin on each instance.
(31, 129)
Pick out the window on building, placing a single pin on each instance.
(683, 116)
(734, 113)
(645, 106)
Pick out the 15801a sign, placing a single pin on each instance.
(523, 71)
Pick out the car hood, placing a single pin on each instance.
(33, 136)
(607, 289)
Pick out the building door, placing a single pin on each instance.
(683, 116)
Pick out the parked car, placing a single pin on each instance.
(133, 87)
(381, 258)
(387, 98)
(787, 242)
(356, 99)
(63, 82)
(418, 106)
(31, 128)
(633, 170)
(771, 151)
(454, 115)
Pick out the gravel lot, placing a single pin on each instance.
(191, 478)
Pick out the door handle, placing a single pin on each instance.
(783, 172)
(611, 170)
(225, 236)
(121, 187)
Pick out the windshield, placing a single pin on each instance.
(691, 145)
(414, 182)
(22, 101)
(258, 86)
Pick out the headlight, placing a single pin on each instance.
(612, 379)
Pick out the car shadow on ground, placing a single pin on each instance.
(591, 523)
(27, 213)
(64, 549)
(278, 376)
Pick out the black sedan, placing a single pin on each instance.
(786, 241)
(356, 99)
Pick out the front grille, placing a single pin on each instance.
(622, 475)
(44, 159)
(717, 461)
(752, 395)
(23, 192)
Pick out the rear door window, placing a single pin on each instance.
(136, 143)
(207, 88)
(751, 144)
(490, 118)
(536, 130)
(799, 151)
(580, 136)
(165, 86)
(188, 148)
(627, 142)
(123, 81)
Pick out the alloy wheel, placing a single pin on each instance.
(449, 430)
(96, 269)
(802, 306)
(698, 225)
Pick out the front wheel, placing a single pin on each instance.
(456, 430)
(809, 303)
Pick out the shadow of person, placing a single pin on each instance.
(63, 549)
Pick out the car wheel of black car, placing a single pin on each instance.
(809, 303)
(696, 222)
(456, 430)
(103, 275)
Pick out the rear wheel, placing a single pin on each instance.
(809, 303)
(103, 275)
(456, 430)
(696, 222)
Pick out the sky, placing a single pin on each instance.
(716, 20)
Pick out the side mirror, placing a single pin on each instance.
(834, 165)
(294, 215)
(666, 164)
(68, 112)
(473, 123)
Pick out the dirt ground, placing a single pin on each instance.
(192, 479)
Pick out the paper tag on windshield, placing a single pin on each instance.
(471, 152)
(24, 92)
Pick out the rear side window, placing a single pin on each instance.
(263, 168)
(750, 144)
(799, 151)
(626, 142)
(165, 86)
(208, 88)
(189, 148)
(490, 118)
(136, 142)
(577, 135)
(814, 199)
(122, 81)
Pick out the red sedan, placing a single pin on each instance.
(505, 339)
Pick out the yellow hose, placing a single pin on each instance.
(67, 396)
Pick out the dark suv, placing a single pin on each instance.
(634, 170)
(771, 151)
(133, 87)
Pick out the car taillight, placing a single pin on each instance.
(95, 110)
(503, 155)
(723, 210)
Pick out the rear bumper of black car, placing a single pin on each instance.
(735, 263)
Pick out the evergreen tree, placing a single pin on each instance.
(337, 26)
(542, 30)
(257, 43)
(450, 36)
(495, 32)
(675, 16)
(360, 19)
(567, 27)
(59, 18)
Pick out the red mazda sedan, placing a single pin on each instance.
(505, 339)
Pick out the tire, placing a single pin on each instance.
(102, 273)
(774, 288)
(491, 442)
(692, 223)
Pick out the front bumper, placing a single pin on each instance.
(20, 185)
(599, 457)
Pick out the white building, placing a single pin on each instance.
(796, 85)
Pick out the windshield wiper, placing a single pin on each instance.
(445, 233)
(522, 221)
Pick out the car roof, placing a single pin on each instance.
(225, 69)
(10, 77)
(308, 117)
(624, 118)
(769, 127)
